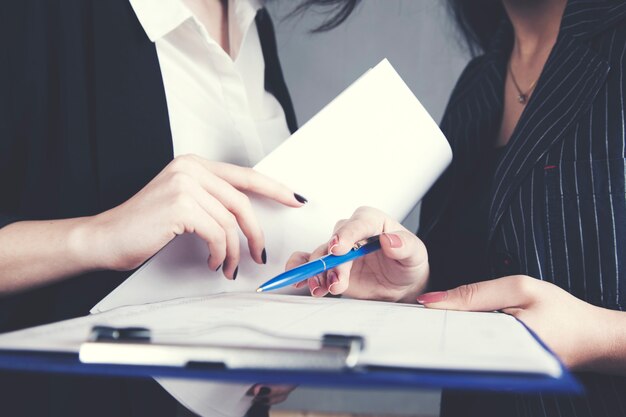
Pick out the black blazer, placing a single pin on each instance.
(83, 126)
(558, 200)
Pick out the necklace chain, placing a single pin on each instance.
(522, 97)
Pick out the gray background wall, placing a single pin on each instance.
(419, 39)
(417, 36)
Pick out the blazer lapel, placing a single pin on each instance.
(274, 80)
(132, 131)
(571, 78)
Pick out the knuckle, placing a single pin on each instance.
(230, 223)
(180, 163)
(524, 285)
(295, 259)
(467, 293)
(218, 238)
(179, 226)
(248, 178)
(183, 202)
(368, 212)
(321, 250)
(301, 256)
(241, 204)
(179, 180)
(362, 210)
(340, 224)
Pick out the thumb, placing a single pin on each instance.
(404, 247)
(497, 294)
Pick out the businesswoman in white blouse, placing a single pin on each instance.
(122, 125)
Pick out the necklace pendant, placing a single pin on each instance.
(522, 98)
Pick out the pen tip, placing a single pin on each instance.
(259, 290)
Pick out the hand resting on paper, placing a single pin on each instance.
(397, 272)
(585, 337)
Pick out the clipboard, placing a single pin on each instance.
(370, 377)
(130, 353)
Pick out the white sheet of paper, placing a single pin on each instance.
(396, 335)
(374, 145)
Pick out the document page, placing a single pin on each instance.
(374, 145)
(396, 335)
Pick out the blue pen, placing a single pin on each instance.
(320, 265)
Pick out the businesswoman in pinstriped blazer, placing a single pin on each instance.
(530, 218)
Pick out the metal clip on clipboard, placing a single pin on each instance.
(133, 346)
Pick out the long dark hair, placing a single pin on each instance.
(477, 20)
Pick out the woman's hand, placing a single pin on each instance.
(190, 195)
(397, 272)
(584, 336)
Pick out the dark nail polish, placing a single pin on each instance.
(300, 198)
(264, 256)
(265, 391)
(235, 273)
(218, 268)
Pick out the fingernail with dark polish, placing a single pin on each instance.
(264, 256)
(300, 198)
(235, 273)
(264, 391)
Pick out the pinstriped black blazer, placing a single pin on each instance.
(558, 199)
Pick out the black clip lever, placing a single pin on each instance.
(121, 334)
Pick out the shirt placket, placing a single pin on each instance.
(234, 97)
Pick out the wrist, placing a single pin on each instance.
(598, 342)
(610, 353)
(83, 244)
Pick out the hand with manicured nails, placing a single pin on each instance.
(190, 195)
(584, 336)
(397, 272)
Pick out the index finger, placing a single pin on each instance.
(493, 295)
(247, 179)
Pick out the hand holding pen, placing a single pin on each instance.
(397, 272)
(320, 265)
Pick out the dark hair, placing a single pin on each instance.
(477, 20)
(337, 10)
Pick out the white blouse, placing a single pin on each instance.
(218, 107)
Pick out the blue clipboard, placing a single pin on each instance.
(371, 377)
(361, 377)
